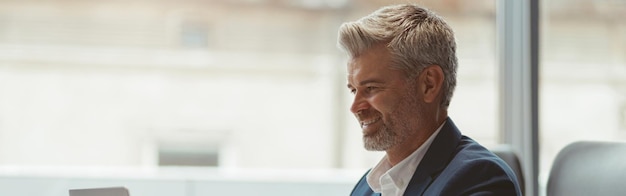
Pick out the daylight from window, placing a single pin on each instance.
(197, 97)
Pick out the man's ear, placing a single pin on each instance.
(430, 82)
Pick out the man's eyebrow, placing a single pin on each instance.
(368, 81)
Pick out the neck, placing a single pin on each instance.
(401, 151)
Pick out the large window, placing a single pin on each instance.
(222, 84)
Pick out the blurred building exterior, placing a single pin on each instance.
(222, 83)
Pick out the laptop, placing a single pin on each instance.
(105, 191)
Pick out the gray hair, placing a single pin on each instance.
(415, 37)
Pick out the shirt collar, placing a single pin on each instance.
(383, 177)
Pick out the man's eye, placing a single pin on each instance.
(353, 91)
(371, 88)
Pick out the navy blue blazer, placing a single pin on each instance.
(455, 165)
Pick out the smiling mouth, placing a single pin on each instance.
(366, 123)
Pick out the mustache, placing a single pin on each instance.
(365, 114)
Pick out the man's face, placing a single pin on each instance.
(386, 104)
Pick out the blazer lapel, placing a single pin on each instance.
(435, 159)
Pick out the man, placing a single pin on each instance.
(402, 71)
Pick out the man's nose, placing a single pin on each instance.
(359, 104)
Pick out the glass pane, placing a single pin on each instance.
(100, 86)
(583, 71)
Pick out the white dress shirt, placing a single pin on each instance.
(392, 181)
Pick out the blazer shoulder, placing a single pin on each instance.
(474, 157)
(476, 170)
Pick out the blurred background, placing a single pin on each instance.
(152, 94)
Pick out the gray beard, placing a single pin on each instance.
(381, 140)
(392, 132)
